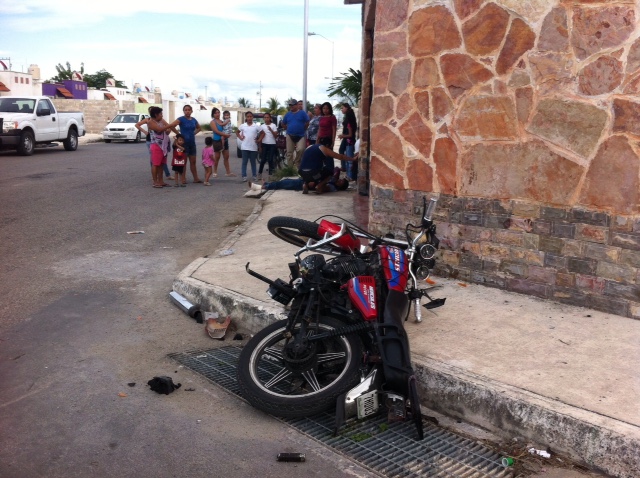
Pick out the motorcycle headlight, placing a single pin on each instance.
(423, 272)
(427, 251)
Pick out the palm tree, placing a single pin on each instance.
(348, 87)
(274, 107)
(244, 102)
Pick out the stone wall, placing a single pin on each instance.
(523, 116)
(97, 113)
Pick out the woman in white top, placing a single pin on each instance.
(248, 134)
(267, 141)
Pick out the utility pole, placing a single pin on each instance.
(305, 53)
(206, 98)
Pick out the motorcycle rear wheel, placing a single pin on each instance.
(311, 384)
(293, 230)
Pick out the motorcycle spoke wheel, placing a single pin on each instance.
(276, 380)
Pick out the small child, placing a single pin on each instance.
(227, 127)
(179, 161)
(207, 159)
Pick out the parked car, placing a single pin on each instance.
(30, 120)
(123, 127)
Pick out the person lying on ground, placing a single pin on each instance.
(334, 184)
(317, 166)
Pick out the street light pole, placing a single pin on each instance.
(332, 48)
(306, 47)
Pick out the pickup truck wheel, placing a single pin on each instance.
(26, 144)
(138, 136)
(71, 143)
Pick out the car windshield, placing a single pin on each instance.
(125, 119)
(17, 105)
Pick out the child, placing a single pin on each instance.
(207, 159)
(179, 161)
(227, 129)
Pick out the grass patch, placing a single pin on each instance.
(286, 172)
(358, 437)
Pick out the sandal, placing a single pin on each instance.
(215, 175)
(207, 184)
(230, 175)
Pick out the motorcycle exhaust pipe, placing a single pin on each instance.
(192, 310)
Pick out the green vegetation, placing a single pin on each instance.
(358, 437)
(97, 79)
(347, 87)
(286, 172)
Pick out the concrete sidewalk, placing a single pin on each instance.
(565, 377)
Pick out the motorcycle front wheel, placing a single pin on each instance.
(293, 230)
(289, 379)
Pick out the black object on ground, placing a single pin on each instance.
(298, 457)
(163, 384)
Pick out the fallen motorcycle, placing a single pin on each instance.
(343, 343)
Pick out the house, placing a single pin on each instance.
(523, 118)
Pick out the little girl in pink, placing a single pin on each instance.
(208, 159)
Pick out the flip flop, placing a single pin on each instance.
(196, 182)
(157, 186)
(230, 175)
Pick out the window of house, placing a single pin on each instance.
(16, 79)
(21, 79)
(26, 80)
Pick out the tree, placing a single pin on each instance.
(65, 73)
(274, 107)
(244, 102)
(99, 79)
(348, 87)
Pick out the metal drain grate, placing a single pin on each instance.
(387, 448)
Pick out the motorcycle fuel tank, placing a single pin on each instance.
(362, 292)
(394, 264)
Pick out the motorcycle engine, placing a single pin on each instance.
(342, 268)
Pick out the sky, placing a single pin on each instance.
(221, 48)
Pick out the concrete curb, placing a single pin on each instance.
(610, 445)
(252, 313)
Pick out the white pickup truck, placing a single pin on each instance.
(30, 120)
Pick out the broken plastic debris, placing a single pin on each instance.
(122, 394)
(213, 327)
(462, 284)
(542, 453)
(226, 252)
(429, 281)
(132, 384)
(135, 232)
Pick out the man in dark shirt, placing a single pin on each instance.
(317, 166)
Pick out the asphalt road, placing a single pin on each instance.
(86, 312)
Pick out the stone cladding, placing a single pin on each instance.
(523, 116)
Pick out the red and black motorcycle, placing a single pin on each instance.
(343, 343)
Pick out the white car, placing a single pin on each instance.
(123, 127)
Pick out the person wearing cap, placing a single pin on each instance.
(295, 123)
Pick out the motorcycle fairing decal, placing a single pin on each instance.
(394, 264)
(362, 292)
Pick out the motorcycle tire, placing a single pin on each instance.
(307, 385)
(293, 230)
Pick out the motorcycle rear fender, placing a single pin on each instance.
(394, 343)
